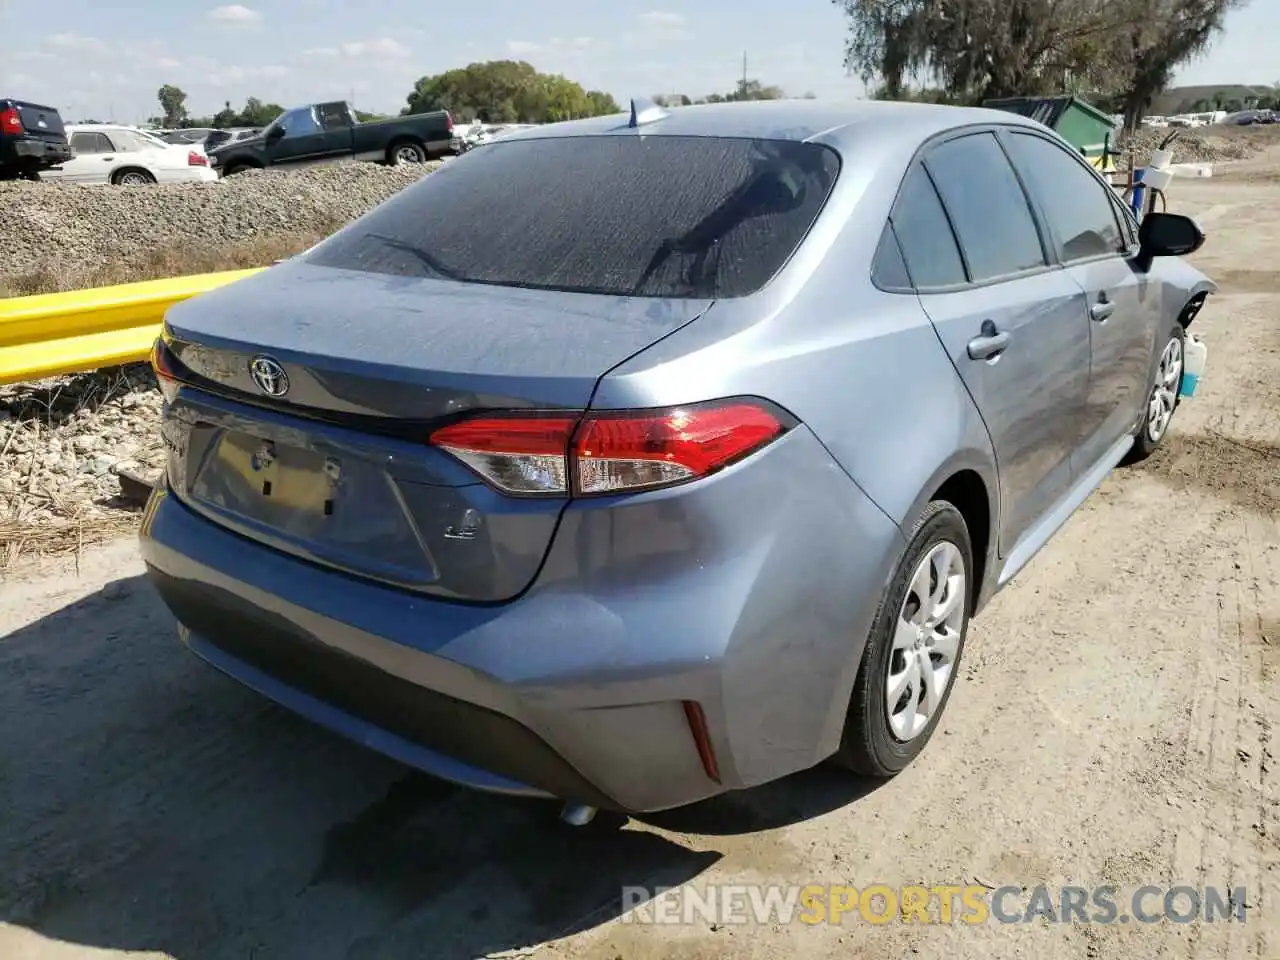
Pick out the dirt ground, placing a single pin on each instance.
(1112, 724)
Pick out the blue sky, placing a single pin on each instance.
(106, 60)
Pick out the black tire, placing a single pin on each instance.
(1143, 444)
(406, 151)
(869, 746)
(118, 178)
(238, 168)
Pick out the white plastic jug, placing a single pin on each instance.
(1194, 357)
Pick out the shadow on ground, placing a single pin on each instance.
(152, 804)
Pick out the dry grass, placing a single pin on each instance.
(26, 541)
(162, 263)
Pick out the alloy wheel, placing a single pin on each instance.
(1164, 392)
(926, 640)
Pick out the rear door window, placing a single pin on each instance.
(91, 142)
(987, 206)
(1079, 212)
(690, 217)
(928, 245)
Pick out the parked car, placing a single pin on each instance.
(556, 474)
(477, 133)
(129, 157)
(32, 139)
(328, 132)
(218, 138)
(186, 135)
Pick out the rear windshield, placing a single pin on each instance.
(624, 215)
(38, 119)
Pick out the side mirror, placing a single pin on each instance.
(1169, 235)
(275, 133)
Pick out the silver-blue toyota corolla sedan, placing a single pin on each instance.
(636, 459)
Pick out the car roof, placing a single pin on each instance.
(107, 126)
(840, 123)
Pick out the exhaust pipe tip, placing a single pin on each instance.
(577, 814)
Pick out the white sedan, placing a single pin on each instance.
(127, 156)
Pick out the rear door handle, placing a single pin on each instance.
(1101, 310)
(990, 343)
(107, 159)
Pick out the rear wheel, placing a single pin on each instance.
(1162, 396)
(406, 152)
(909, 665)
(132, 178)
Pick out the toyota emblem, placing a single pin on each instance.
(269, 376)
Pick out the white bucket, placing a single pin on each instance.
(1195, 355)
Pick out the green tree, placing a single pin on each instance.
(1153, 47)
(172, 105)
(226, 117)
(258, 114)
(602, 104)
(506, 91)
(754, 90)
(976, 49)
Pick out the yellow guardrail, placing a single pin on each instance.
(56, 333)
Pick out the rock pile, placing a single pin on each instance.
(72, 234)
(1195, 146)
(61, 443)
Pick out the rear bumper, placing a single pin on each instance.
(575, 689)
(36, 153)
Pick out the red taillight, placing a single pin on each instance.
(517, 454)
(630, 451)
(609, 452)
(448, 121)
(11, 121)
(195, 159)
(166, 370)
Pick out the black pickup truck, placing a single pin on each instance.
(329, 132)
(32, 139)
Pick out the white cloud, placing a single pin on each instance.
(554, 46)
(232, 75)
(74, 43)
(234, 13)
(382, 47)
(662, 19)
(657, 27)
(168, 63)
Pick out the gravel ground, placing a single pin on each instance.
(1202, 146)
(63, 236)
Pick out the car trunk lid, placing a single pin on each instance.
(336, 467)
